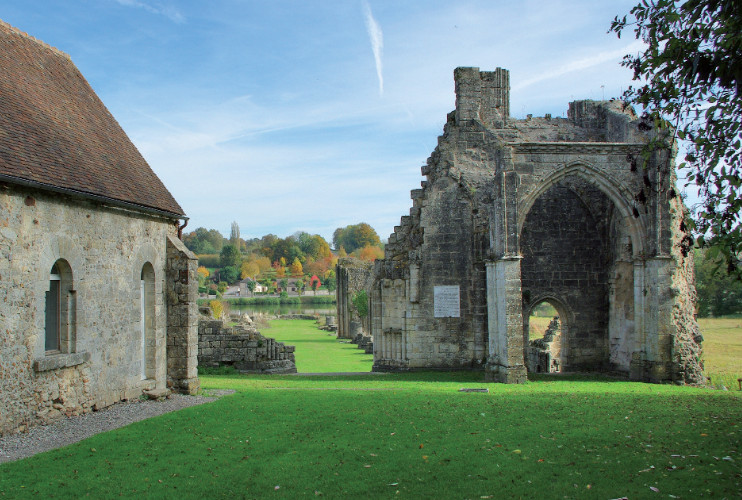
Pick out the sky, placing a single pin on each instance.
(310, 115)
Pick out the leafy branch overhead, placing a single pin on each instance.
(689, 78)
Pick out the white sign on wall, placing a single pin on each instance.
(446, 301)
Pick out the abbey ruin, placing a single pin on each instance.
(514, 213)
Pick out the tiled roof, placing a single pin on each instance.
(56, 132)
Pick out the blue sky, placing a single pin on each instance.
(312, 115)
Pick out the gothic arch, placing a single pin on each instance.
(618, 194)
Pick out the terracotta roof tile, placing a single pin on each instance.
(54, 130)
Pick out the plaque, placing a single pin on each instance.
(446, 301)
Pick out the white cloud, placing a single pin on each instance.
(376, 37)
(167, 10)
(582, 64)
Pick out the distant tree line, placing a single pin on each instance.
(269, 259)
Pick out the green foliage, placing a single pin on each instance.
(331, 282)
(230, 274)
(230, 256)
(360, 302)
(222, 287)
(209, 261)
(217, 309)
(719, 294)
(689, 78)
(204, 241)
(355, 236)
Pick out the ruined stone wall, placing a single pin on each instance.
(106, 250)
(565, 252)
(353, 275)
(517, 211)
(244, 348)
(182, 318)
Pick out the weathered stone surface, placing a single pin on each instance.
(105, 251)
(243, 347)
(514, 213)
(353, 275)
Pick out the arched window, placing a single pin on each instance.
(147, 321)
(59, 328)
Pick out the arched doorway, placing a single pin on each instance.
(544, 326)
(574, 245)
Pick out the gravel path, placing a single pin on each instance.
(71, 430)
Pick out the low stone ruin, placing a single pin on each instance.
(243, 347)
(544, 355)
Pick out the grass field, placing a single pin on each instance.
(722, 350)
(318, 351)
(409, 436)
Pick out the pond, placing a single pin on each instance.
(320, 309)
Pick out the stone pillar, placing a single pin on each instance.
(182, 318)
(505, 322)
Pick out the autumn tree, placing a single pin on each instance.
(355, 236)
(296, 268)
(249, 269)
(689, 83)
(370, 253)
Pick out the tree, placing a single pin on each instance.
(251, 284)
(234, 235)
(315, 283)
(360, 303)
(719, 293)
(296, 268)
(230, 274)
(370, 253)
(689, 78)
(355, 236)
(299, 286)
(284, 284)
(230, 256)
(201, 274)
(249, 269)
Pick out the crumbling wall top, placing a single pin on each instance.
(482, 96)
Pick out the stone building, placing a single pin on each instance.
(97, 293)
(514, 213)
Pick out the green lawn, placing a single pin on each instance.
(318, 351)
(408, 435)
(722, 350)
(416, 434)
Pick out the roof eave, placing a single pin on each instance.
(91, 196)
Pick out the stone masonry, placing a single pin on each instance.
(242, 347)
(514, 213)
(182, 318)
(106, 250)
(353, 275)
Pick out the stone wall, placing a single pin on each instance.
(103, 254)
(242, 347)
(182, 318)
(353, 275)
(516, 212)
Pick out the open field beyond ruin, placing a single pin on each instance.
(416, 434)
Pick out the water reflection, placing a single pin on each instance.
(324, 310)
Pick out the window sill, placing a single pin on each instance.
(57, 361)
